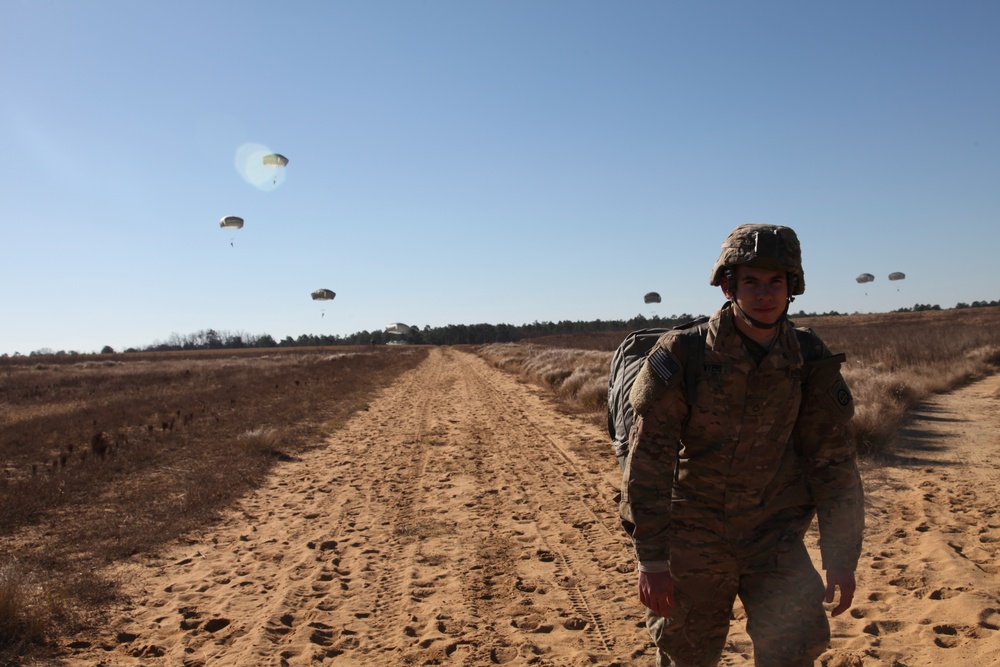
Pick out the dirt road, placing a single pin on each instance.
(462, 520)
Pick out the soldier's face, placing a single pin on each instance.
(761, 293)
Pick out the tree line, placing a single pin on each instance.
(452, 334)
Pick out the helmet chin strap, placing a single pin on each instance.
(757, 324)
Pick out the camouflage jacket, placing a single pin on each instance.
(760, 452)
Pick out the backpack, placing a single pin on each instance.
(625, 365)
(630, 355)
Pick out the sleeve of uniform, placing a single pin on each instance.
(830, 459)
(647, 481)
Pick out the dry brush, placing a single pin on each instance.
(894, 361)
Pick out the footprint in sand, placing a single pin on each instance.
(532, 623)
(884, 627)
(217, 624)
(947, 636)
(502, 655)
(989, 619)
(946, 593)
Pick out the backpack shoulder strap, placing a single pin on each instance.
(694, 334)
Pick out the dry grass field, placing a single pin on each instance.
(115, 464)
(103, 457)
(894, 360)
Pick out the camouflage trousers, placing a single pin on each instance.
(781, 592)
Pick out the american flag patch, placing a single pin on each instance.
(663, 364)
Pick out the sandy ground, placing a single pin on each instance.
(462, 520)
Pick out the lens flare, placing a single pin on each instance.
(249, 163)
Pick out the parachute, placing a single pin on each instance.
(274, 160)
(260, 166)
(865, 278)
(323, 295)
(231, 222)
(897, 275)
(398, 328)
(651, 297)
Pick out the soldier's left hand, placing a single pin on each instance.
(844, 580)
(656, 591)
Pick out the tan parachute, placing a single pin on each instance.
(398, 328)
(865, 278)
(897, 275)
(232, 222)
(323, 295)
(274, 160)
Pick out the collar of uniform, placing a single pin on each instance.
(724, 339)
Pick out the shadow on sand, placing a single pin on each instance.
(918, 438)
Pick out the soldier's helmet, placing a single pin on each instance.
(766, 246)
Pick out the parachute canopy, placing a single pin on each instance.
(323, 295)
(651, 297)
(398, 328)
(865, 278)
(897, 275)
(231, 222)
(274, 160)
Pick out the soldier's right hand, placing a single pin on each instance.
(656, 591)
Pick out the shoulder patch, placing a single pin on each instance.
(841, 394)
(663, 364)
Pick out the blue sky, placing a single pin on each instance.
(480, 161)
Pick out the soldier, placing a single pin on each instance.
(722, 491)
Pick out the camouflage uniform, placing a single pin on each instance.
(722, 493)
